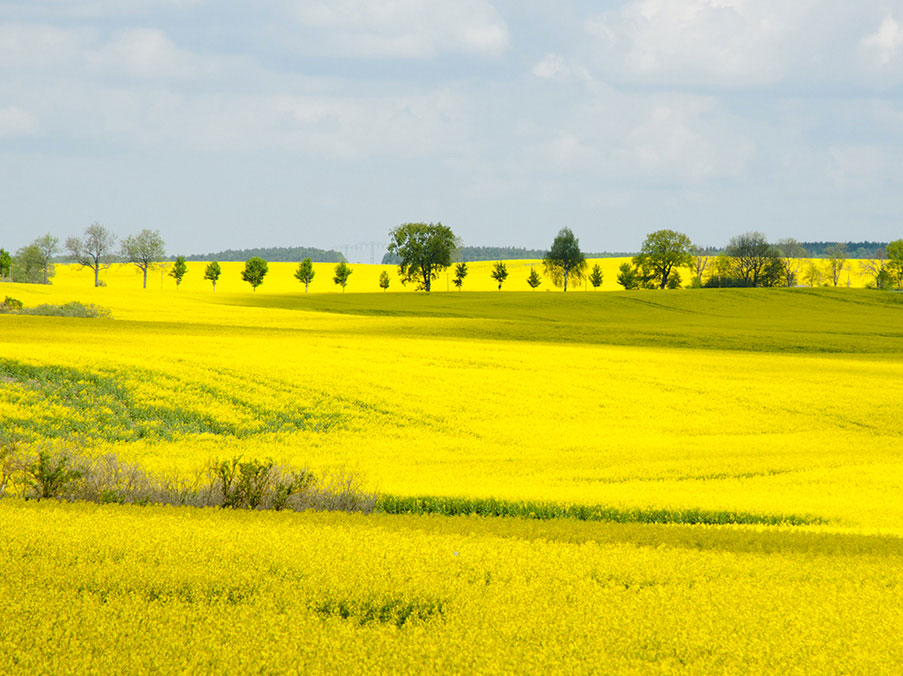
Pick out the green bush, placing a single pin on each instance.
(73, 309)
(66, 473)
(10, 304)
(50, 474)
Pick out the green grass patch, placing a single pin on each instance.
(396, 611)
(60, 402)
(454, 506)
(760, 320)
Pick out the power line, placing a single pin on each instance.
(356, 252)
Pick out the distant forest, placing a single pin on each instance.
(820, 249)
(273, 254)
(854, 249)
(489, 253)
(469, 254)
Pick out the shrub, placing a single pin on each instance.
(253, 484)
(50, 474)
(10, 304)
(73, 309)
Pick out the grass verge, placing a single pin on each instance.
(455, 506)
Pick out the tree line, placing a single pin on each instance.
(273, 254)
(423, 250)
(750, 260)
(473, 254)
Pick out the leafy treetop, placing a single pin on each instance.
(342, 273)
(662, 252)
(254, 272)
(424, 249)
(178, 270)
(499, 273)
(305, 273)
(564, 261)
(212, 272)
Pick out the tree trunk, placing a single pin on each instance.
(144, 270)
(97, 275)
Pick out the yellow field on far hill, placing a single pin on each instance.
(364, 277)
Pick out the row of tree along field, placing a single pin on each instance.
(423, 250)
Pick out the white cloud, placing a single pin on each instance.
(91, 8)
(863, 166)
(15, 122)
(144, 52)
(81, 53)
(737, 43)
(402, 28)
(640, 137)
(26, 47)
(886, 42)
(556, 67)
(433, 123)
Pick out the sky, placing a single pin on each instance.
(326, 123)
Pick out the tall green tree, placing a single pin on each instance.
(6, 262)
(813, 274)
(342, 273)
(383, 280)
(425, 249)
(305, 273)
(628, 277)
(48, 246)
(145, 250)
(662, 253)
(533, 279)
(255, 270)
(212, 272)
(792, 254)
(837, 261)
(750, 254)
(876, 268)
(460, 274)
(701, 261)
(564, 261)
(179, 268)
(894, 251)
(94, 250)
(499, 273)
(595, 277)
(28, 265)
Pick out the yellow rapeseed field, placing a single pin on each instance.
(769, 402)
(99, 590)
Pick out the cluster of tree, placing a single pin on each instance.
(32, 264)
(425, 249)
(860, 250)
(256, 269)
(750, 260)
(96, 249)
(275, 254)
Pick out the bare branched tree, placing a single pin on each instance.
(94, 250)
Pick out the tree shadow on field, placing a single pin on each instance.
(818, 321)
